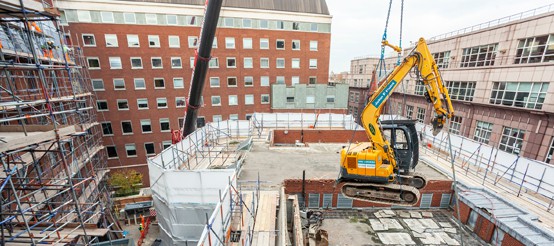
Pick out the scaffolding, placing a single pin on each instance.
(52, 182)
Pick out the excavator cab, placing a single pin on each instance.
(402, 136)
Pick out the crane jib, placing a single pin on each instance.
(383, 95)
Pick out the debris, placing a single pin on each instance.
(445, 224)
(396, 238)
(450, 230)
(391, 224)
(389, 212)
(447, 239)
(427, 214)
(416, 215)
(404, 214)
(376, 225)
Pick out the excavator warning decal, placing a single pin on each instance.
(366, 163)
(384, 94)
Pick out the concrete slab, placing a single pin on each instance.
(427, 214)
(429, 223)
(377, 225)
(391, 223)
(416, 215)
(445, 224)
(396, 238)
(404, 214)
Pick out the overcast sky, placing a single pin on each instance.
(358, 25)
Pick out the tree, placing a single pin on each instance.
(125, 182)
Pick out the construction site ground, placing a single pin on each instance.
(394, 227)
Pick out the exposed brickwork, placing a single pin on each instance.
(464, 212)
(484, 228)
(318, 136)
(327, 186)
(510, 241)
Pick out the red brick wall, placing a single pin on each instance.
(484, 228)
(326, 186)
(510, 241)
(318, 136)
(464, 212)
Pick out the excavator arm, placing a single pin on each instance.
(369, 171)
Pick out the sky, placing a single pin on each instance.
(358, 25)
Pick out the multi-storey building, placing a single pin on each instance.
(140, 56)
(499, 79)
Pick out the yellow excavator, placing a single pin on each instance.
(380, 170)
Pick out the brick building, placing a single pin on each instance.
(140, 55)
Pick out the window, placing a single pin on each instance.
(115, 62)
(535, 49)
(111, 40)
(180, 102)
(519, 94)
(118, 84)
(107, 17)
(313, 45)
(247, 43)
(214, 44)
(280, 25)
(280, 80)
(107, 129)
(151, 19)
(512, 140)
(248, 81)
(264, 81)
(164, 125)
(156, 63)
(216, 101)
(88, 40)
(213, 63)
(159, 83)
(102, 105)
(295, 44)
(139, 84)
(290, 99)
(483, 131)
(136, 63)
(280, 63)
(83, 16)
(232, 81)
(248, 62)
(455, 124)
(133, 40)
(280, 44)
(310, 99)
(129, 18)
(131, 150)
(229, 43)
(142, 103)
(295, 80)
(264, 62)
(409, 111)
(331, 99)
(420, 115)
(93, 63)
(420, 88)
(190, 20)
(154, 41)
(231, 62)
(228, 22)
(265, 98)
(246, 23)
(263, 24)
(97, 84)
(146, 126)
(441, 59)
(126, 127)
(233, 100)
(149, 148)
(479, 56)
(264, 43)
(191, 60)
(174, 42)
(171, 20)
(313, 27)
(112, 152)
(233, 117)
(248, 99)
(461, 90)
(217, 118)
(312, 80)
(122, 104)
(161, 102)
(193, 41)
(313, 63)
(549, 155)
(166, 144)
(176, 62)
(214, 82)
(295, 63)
(178, 83)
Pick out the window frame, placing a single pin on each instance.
(130, 147)
(152, 62)
(216, 104)
(262, 41)
(95, 89)
(129, 45)
(135, 83)
(234, 103)
(134, 21)
(145, 100)
(141, 64)
(236, 81)
(123, 129)
(178, 86)
(88, 35)
(175, 38)
(171, 23)
(110, 62)
(102, 101)
(218, 82)
(156, 87)
(93, 58)
(143, 124)
(247, 45)
(163, 121)
(106, 40)
(153, 38)
(227, 43)
(245, 63)
(277, 44)
(123, 109)
(114, 85)
(180, 62)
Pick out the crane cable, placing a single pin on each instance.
(381, 64)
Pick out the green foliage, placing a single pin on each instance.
(126, 182)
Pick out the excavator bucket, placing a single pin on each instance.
(438, 124)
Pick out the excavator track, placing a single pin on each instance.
(392, 194)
